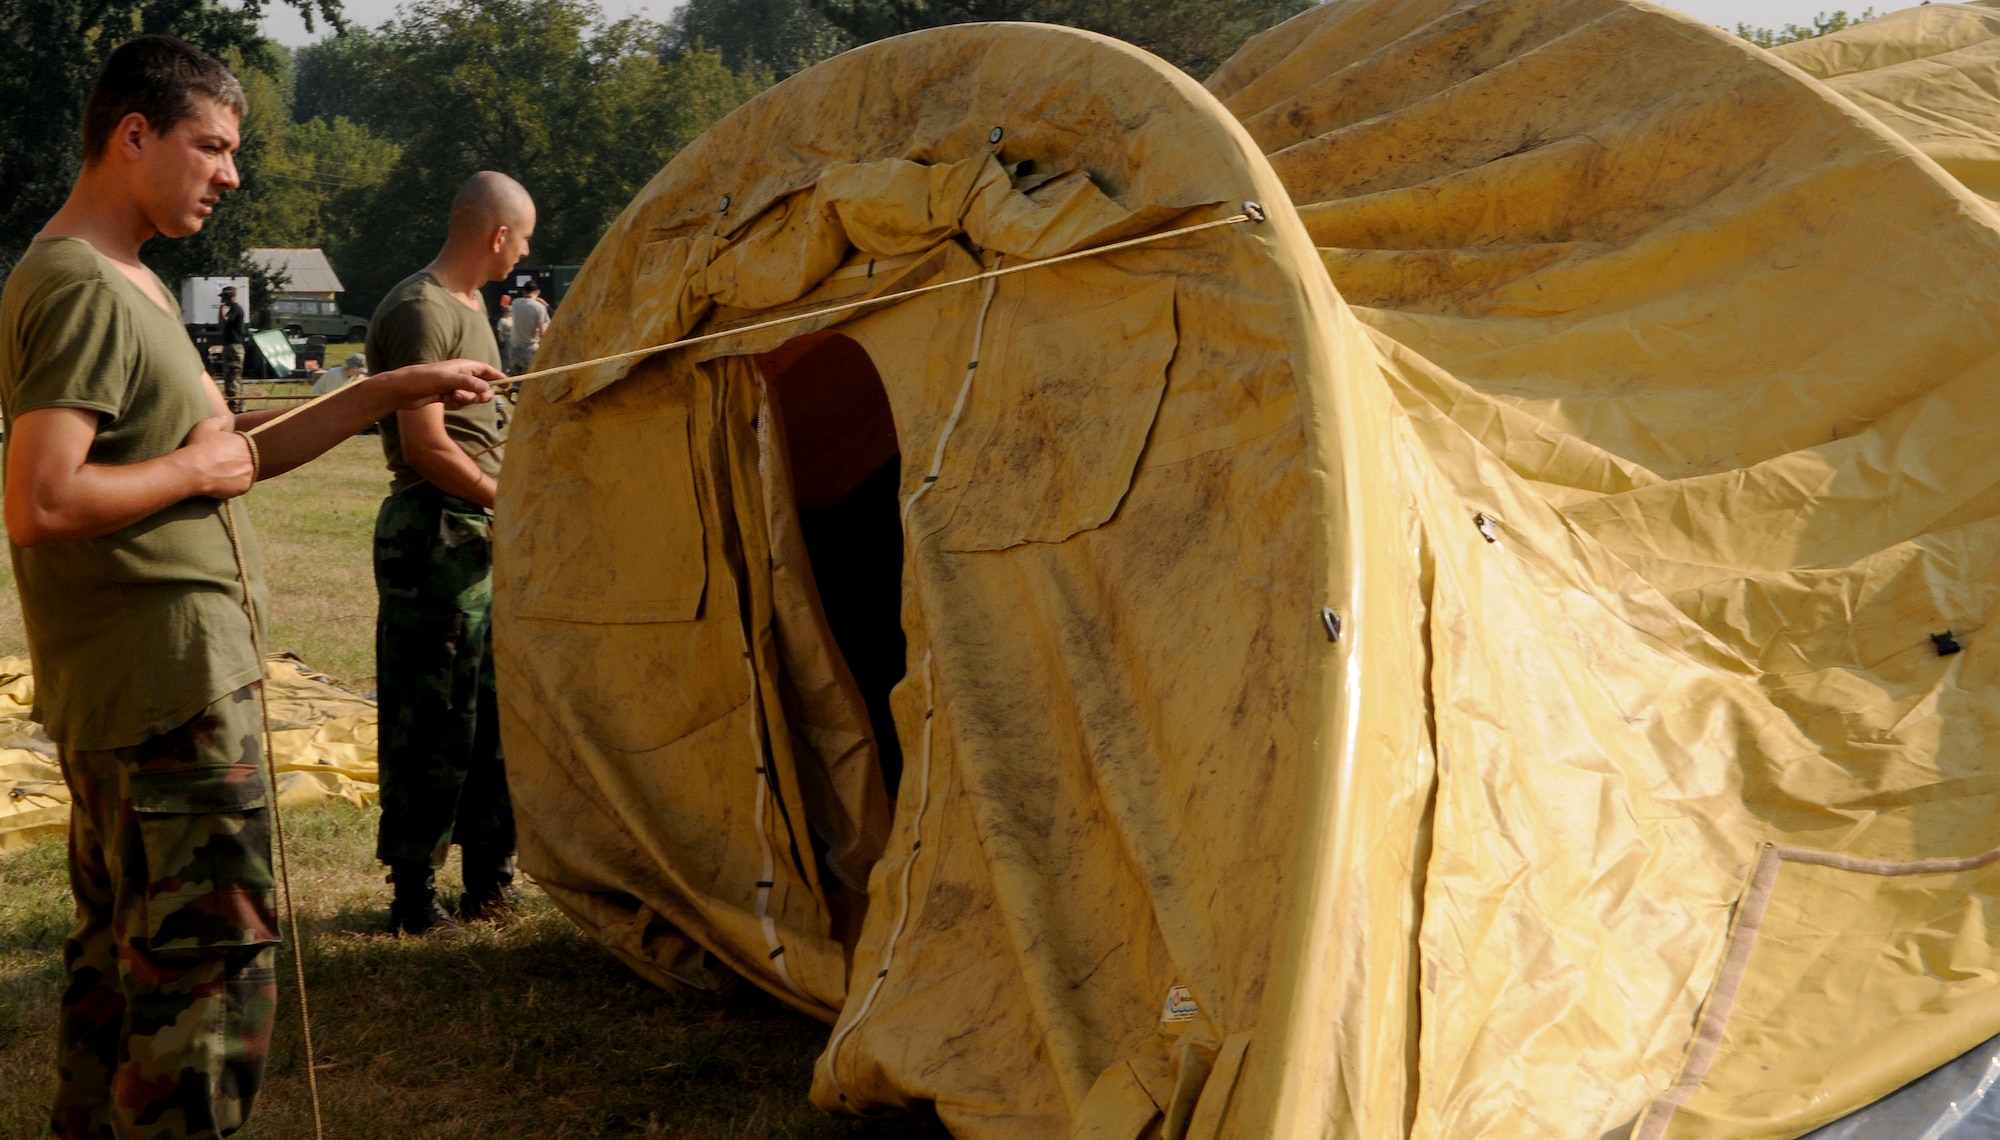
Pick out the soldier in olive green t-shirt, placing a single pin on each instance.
(133, 563)
(442, 777)
(419, 322)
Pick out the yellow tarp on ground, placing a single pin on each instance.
(1456, 659)
(324, 737)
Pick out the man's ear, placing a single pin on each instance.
(130, 138)
(498, 241)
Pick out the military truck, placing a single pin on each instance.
(304, 316)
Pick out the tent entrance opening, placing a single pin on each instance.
(846, 469)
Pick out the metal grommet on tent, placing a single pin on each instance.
(1946, 643)
(1488, 529)
(725, 205)
(995, 135)
(1331, 621)
(1255, 210)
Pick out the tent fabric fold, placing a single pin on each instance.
(1359, 664)
(1930, 74)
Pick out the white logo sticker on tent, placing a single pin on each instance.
(1180, 1005)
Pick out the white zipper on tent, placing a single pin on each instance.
(903, 891)
(958, 408)
(768, 878)
(765, 881)
(930, 714)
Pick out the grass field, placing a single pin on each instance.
(523, 1030)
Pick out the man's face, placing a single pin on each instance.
(182, 174)
(511, 245)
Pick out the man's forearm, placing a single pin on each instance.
(309, 435)
(454, 473)
(96, 500)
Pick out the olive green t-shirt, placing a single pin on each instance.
(134, 633)
(420, 322)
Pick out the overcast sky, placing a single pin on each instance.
(282, 23)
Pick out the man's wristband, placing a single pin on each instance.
(256, 458)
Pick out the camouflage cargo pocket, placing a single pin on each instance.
(207, 837)
(419, 651)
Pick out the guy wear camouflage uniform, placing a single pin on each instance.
(443, 779)
(147, 680)
(170, 845)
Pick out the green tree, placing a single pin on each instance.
(56, 50)
(314, 172)
(1196, 35)
(1822, 24)
(331, 77)
(582, 110)
(778, 36)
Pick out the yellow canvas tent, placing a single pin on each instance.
(1929, 73)
(1492, 650)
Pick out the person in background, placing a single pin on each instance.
(356, 368)
(442, 776)
(531, 319)
(503, 329)
(138, 580)
(235, 333)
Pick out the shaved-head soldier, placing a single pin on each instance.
(441, 772)
(133, 569)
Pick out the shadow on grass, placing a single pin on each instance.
(528, 1029)
(521, 1029)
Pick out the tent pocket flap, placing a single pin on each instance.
(1118, 1107)
(1069, 399)
(1844, 980)
(624, 539)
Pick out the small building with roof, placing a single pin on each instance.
(309, 300)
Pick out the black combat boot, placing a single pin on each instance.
(489, 887)
(415, 909)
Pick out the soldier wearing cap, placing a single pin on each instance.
(235, 333)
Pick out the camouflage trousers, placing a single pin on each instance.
(231, 378)
(441, 775)
(166, 1015)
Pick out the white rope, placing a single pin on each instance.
(277, 816)
(1252, 213)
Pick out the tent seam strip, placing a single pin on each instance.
(1713, 1021)
(903, 904)
(930, 702)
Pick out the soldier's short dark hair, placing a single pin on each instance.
(158, 77)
